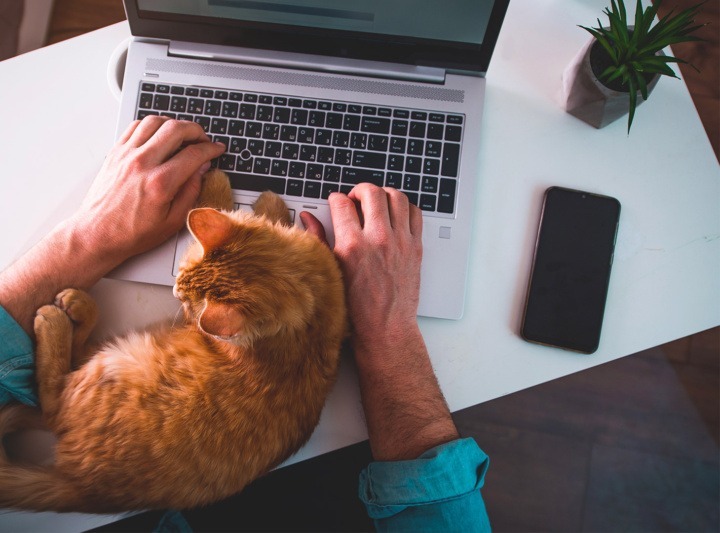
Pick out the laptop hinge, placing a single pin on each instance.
(271, 58)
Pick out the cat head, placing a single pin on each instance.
(244, 277)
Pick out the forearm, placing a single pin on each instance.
(405, 411)
(63, 258)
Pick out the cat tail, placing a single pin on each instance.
(37, 488)
(29, 487)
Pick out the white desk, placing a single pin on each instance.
(58, 122)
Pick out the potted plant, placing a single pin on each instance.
(618, 68)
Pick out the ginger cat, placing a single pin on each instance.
(183, 416)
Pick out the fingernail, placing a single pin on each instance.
(205, 167)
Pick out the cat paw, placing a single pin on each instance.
(273, 207)
(215, 191)
(51, 322)
(78, 305)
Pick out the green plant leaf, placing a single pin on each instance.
(633, 103)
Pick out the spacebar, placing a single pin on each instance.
(256, 182)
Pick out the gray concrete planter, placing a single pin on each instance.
(588, 99)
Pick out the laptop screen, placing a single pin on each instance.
(452, 34)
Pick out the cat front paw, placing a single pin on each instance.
(273, 207)
(215, 191)
(79, 307)
(51, 322)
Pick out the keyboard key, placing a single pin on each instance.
(412, 197)
(431, 167)
(413, 164)
(262, 165)
(358, 141)
(397, 145)
(290, 151)
(219, 126)
(341, 139)
(446, 197)
(204, 122)
(236, 127)
(295, 102)
(401, 113)
(308, 152)
(427, 202)
(230, 109)
(433, 149)
(325, 154)
(340, 108)
(281, 115)
(256, 147)
(453, 133)
(288, 133)
(265, 99)
(436, 117)
(294, 188)
(306, 135)
(297, 169)
(192, 91)
(212, 107)
(316, 119)
(361, 175)
(279, 168)
(328, 189)
(236, 97)
(252, 182)
(161, 102)
(250, 98)
(273, 149)
(343, 157)
(312, 189)
(196, 105)
(146, 100)
(145, 113)
(417, 129)
(418, 115)
(396, 162)
(264, 113)
(400, 127)
(309, 104)
(299, 117)
(207, 93)
(384, 112)
(323, 137)
(435, 131)
(271, 131)
(455, 119)
(375, 125)
(253, 129)
(378, 143)
(150, 87)
(331, 173)
(411, 182)
(222, 95)
(280, 100)
(415, 147)
(247, 111)
(227, 162)
(429, 184)
(314, 171)
(354, 108)
(450, 160)
(369, 110)
(237, 145)
(351, 122)
(178, 104)
(394, 179)
(334, 121)
(369, 160)
(165, 89)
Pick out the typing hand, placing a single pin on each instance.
(148, 183)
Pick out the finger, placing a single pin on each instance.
(184, 200)
(344, 215)
(314, 226)
(146, 129)
(171, 136)
(416, 221)
(176, 171)
(399, 207)
(125, 137)
(373, 204)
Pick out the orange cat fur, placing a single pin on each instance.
(183, 416)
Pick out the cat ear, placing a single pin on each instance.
(221, 320)
(211, 228)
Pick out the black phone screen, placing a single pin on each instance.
(571, 270)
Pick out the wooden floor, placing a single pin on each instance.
(628, 446)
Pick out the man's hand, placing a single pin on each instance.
(148, 183)
(378, 241)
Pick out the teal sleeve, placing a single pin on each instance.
(17, 380)
(439, 491)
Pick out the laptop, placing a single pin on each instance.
(316, 96)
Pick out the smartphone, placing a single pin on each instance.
(571, 270)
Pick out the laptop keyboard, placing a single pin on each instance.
(310, 148)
